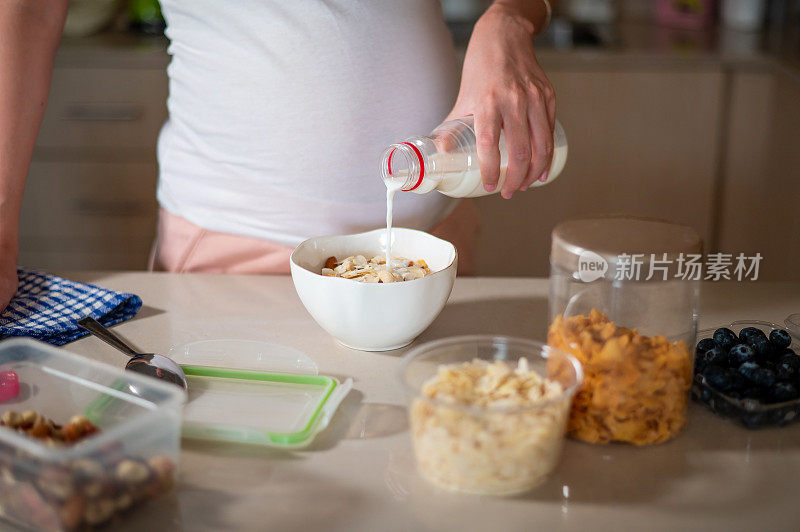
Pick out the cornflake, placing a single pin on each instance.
(635, 387)
(482, 448)
(374, 270)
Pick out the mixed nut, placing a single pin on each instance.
(374, 270)
(74, 493)
(37, 426)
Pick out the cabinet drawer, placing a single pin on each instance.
(133, 258)
(89, 201)
(98, 107)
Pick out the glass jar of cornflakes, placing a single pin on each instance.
(623, 300)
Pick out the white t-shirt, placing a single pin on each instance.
(279, 110)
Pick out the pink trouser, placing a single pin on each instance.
(182, 246)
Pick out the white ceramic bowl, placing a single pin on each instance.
(374, 316)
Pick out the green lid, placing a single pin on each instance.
(285, 404)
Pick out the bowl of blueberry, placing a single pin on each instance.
(749, 371)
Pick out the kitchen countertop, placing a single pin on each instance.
(359, 473)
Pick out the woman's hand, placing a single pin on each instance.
(504, 87)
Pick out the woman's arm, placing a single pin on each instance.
(29, 34)
(504, 87)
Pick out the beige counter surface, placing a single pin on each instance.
(359, 474)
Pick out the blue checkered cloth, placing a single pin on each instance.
(47, 307)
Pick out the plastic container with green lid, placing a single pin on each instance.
(274, 396)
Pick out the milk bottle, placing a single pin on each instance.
(447, 161)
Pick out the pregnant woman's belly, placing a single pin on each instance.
(279, 111)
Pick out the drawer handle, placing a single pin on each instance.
(111, 207)
(102, 112)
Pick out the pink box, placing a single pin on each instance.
(686, 14)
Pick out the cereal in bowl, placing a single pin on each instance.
(374, 270)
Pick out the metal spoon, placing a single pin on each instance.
(157, 366)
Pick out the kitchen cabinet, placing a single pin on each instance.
(759, 199)
(88, 215)
(89, 200)
(641, 141)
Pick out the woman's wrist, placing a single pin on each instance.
(532, 15)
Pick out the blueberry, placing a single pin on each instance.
(717, 378)
(741, 353)
(738, 383)
(783, 391)
(704, 345)
(748, 333)
(780, 339)
(785, 372)
(757, 375)
(748, 370)
(725, 338)
(765, 378)
(791, 359)
(699, 364)
(716, 356)
(761, 346)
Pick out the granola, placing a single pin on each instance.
(635, 387)
(502, 434)
(374, 270)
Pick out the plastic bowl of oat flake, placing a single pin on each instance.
(374, 316)
(488, 413)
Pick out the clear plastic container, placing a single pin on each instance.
(488, 449)
(267, 394)
(632, 333)
(749, 412)
(447, 161)
(131, 460)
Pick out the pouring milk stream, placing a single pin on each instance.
(447, 161)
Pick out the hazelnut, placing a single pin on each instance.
(55, 483)
(164, 469)
(41, 428)
(88, 468)
(29, 417)
(123, 502)
(98, 511)
(78, 427)
(132, 471)
(11, 419)
(79, 420)
(94, 488)
(71, 512)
